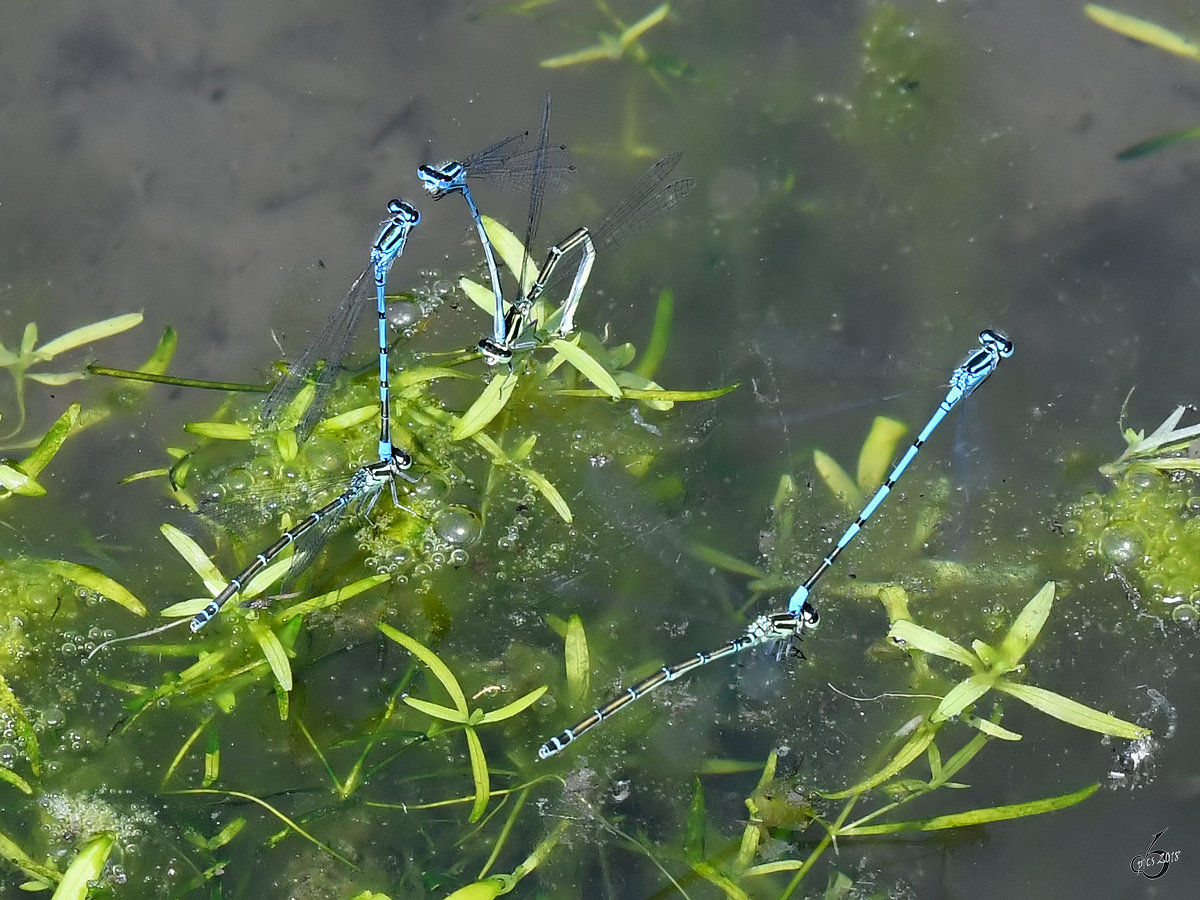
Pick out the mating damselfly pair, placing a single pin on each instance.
(516, 329)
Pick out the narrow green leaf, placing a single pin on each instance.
(425, 374)
(195, 557)
(1142, 30)
(64, 426)
(912, 749)
(439, 669)
(348, 419)
(273, 811)
(89, 334)
(877, 452)
(479, 772)
(15, 780)
(219, 431)
(635, 394)
(16, 481)
(487, 889)
(578, 662)
(543, 486)
(55, 379)
(727, 562)
(160, 359)
(919, 638)
(589, 367)
(1153, 145)
(986, 652)
(94, 580)
(274, 653)
(227, 834)
(963, 695)
(991, 729)
(486, 406)
(212, 758)
(478, 294)
(978, 816)
(1027, 627)
(87, 866)
(510, 249)
(836, 479)
(437, 711)
(660, 336)
(1072, 712)
(332, 598)
(47, 876)
(511, 709)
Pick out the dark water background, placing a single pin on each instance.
(859, 217)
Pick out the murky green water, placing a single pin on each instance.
(876, 184)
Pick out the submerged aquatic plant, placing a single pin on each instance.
(778, 807)
(29, 354)
(1146, 526)
(1154, 35)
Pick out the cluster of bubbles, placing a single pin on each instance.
(68, 819)
(1148, 525)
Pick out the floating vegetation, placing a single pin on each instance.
(1148, 525)
(1154, 35)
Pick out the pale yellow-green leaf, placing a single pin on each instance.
(219, 431)
(437, 711)
(479, 772)
(578, 662)
(478, 294)
(895, 602)
(413, 377)
(877, 452)
(274, 653)
(439, 669)
(977, 816)
(486, 407)
(511, 250)
(95, 580)
(226, 834)
(1027, 627)
(913, 749)
(184, 608)
(348, 419)
(47, 876)
(15, 780)
(1142, 30)
(490, 887)
(195, 557)
(523, 449)
(916, 637)
(64, 426)
(89, 334)
(86, 867)
(55, 379)
(986, 653)
(588, 366)
(626, 379)
(636, 394)
(18, 482)
(963, 695)
(1072, 712)
(542, 485)
(511, 709)
(991, 729)
(333, 597)
(839, 483)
